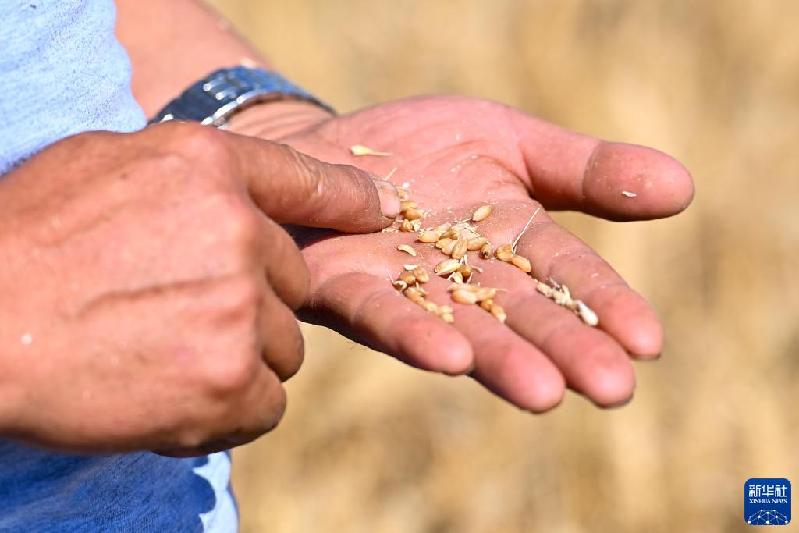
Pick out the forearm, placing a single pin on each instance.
(173, 44)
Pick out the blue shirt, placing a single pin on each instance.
(62, 72)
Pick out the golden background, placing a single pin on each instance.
(369, 445)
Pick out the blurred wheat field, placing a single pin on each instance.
(369, 445)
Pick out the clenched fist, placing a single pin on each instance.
(147, 288)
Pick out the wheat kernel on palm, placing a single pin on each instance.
(421, 275)
(485, 293)
(468, 234)
(442, 242)
(481, 213)
(414, 294)
(476, 243)
(449, 247)
(443, 228)
(449, 318)
(453, 233)
(409, 268)
(544, 289)
(406, 226)
(460, 248)
(498, 313)
(431, 307)
(447, 267)
(412, 214)
(408, 278)
(465, 271)
(399, 285)
(522, 263)
(456, 277)
(463, 296)
(504, 252)
(407, 248)
(361, 150)
(486, 304)
(427, 236)
(486, 252)
(586, 313)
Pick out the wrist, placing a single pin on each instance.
(273, 120)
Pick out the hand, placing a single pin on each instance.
(148, 288)
(457, 153)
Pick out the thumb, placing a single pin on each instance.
(294, 188)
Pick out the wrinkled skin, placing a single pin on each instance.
(455, 154)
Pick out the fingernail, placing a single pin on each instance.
(389, 200)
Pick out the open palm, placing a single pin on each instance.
(455, 154)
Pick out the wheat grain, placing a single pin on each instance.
(412, 214)
(459, 249)
(428, 236)
(504, 252)
(456, 277)
(406, 226)
(360, 150)
(586, 313)
(463, 296)
(481, 213)
(449, 247)
(446, 267)
(522, 263)
(485, 293)
(476, 243)
(442, 242)
(421, 274)
(498, 313)
(408, 249)
(414, 294)
(408, 278)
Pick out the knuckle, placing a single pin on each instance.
(171, 164)
(234, 377)
(196, 141)
(243, 297)
(241, 226)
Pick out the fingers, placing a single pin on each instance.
(286, 270)
(555, 253)
(612, 180)
(504, 362)
(508, 365)
(282, 345)
(376, 314)
(294, 188)
(372, 312)
(591, 362)
(259, 411)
